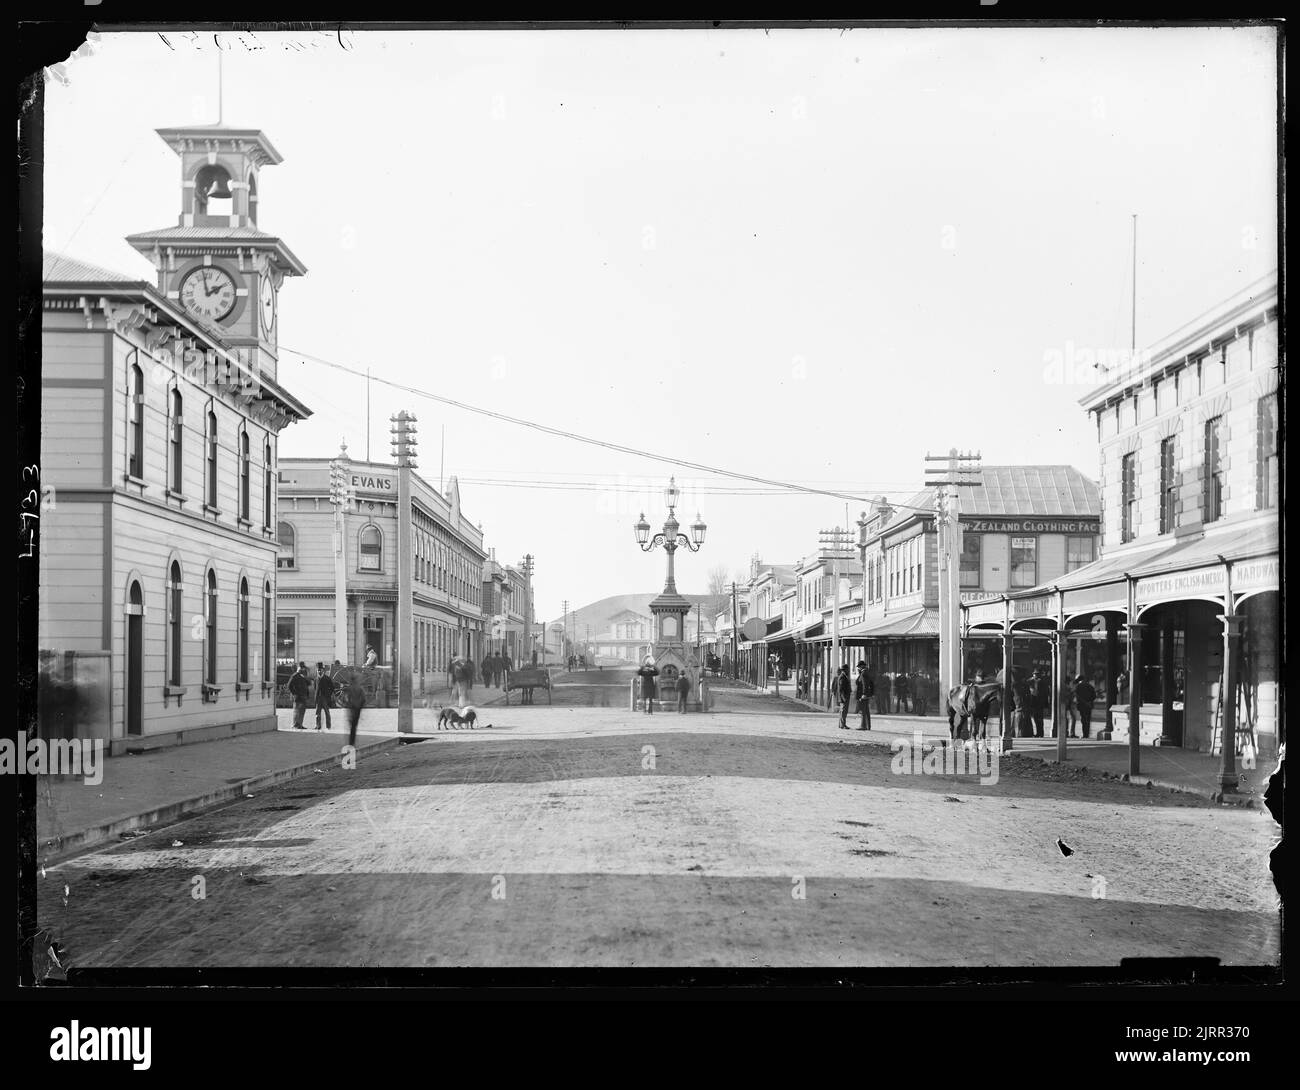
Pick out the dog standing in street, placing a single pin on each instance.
(451, 719)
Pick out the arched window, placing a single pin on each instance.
(177, 444)
(268, 487)
(268, 623)
(372, 549)
(252, 199)
(243, 631)
(210, 658)
(245, 476)
(175, 618)
(210, 497)
(285, 536)
(135, 400)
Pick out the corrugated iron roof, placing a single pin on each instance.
(144, 240)
(1058, 490)
(57, 268)
(205, 232)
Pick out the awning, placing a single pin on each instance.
(915, 624)
(919, 624)
(802, 631)
(809, 629)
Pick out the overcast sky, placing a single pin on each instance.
(810, 256)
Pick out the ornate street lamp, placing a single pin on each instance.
(670, 537)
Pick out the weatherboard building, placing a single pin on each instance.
(161, 418)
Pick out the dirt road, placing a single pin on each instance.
(686, 847)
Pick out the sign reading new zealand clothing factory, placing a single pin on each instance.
(1031, 526)
(364, 482)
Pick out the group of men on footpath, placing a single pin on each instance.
(494, 670)
(844, 690)
(327, 683)
(1033, 698)
(910, 692)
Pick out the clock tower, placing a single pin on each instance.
(216, 263)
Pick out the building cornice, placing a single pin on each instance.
(1250, 308)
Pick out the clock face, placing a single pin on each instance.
(268, 305)
(209, 292)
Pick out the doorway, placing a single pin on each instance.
(135, 661)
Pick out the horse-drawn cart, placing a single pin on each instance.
(528, 678)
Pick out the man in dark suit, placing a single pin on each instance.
(647, 674)
(299, 687)
(865, 689)
(1084, 698)
(324, 695)
(843, 693)
(1039, 696)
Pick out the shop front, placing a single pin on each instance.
(905, 645)
(1182, 640)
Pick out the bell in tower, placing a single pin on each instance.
(212, 185)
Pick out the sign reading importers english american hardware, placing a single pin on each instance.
(1200, 581)
(1031, 526)
(1255, 575)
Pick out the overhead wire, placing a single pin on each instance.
(784, 486)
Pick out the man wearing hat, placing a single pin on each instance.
(299, 688)
(647, 674)
(843, 692)
(864, 689)
(1040, 693)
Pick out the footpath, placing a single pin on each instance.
(1167, 767)
(158, 787)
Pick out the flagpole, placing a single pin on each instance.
(1133, 334)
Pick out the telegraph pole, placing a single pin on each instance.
(528, 609)
(403, 448)
(735, 621)
(342, 496)
(835, 546)
(564, 651)
(958, 471)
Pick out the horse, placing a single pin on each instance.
(974, 702)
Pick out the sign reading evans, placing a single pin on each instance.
(365, 483)
(1031, 526)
